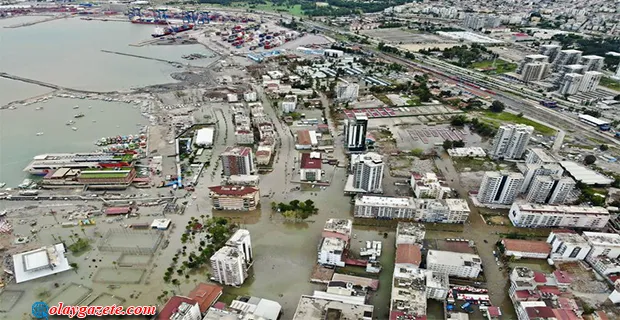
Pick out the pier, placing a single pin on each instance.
(50, 85)
(174, 63)
(27, 24)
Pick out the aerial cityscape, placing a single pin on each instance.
(302, 160)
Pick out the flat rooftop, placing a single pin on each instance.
(313, 308)
(332, 245)
(603, 239)
(400, 202)
(452, 258)
(570, 237)
(40, 263)
(549, 208)
(583, 174)
(342, 226)
(409, 232)
(239, 236)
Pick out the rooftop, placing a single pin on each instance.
(206, 295)
(369, 158)
(238, 237)
(313, 308)
(543, 155)
(333, 245)
(408, 254)
(237, 151)
(309, 162)
(549, 208)
(452, 258)
(408, 232)
(583, 174)
(258, 307)
(172, 306)
(226, 252)
(526, 246)
(603, 239)
(570, 237)
(400, 202)
(40, 263)
(457, 204)
(343, 226)
(233, 190)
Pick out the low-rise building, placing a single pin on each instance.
(437, 285)
(462, 265)
(331, 252)
(242, 180)
(310, 167)
(603, 244)
(410, 233)
(474, 152)
(180, 308)
(408, 292)
(263, 154)
(428, 186)
(40, 263)
(306, 140)
(528, 215)
(205, 295)
(289, 104)
(567, 245)
(407, 256)
(241, 198)
(244, 136)
(605, 266)
(526, 248)
(319, 308)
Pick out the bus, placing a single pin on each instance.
(595, 122)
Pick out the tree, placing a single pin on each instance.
(497, 106)
(74, 265)
(589, 159)
(458, 144)
(417, 152)
(458, 121)
(447, 144)
(604, 147)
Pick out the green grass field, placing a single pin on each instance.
(610, 83)
(501, 66)
(513, 118)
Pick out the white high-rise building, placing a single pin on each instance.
(550, 50)
(230, 264)
(532, 58)
(534, 71)
(499, 187)
(534, 170)
(570, 83)
(565, 57)
(355, 132)
(229, 267)
(347, 91)
(592, 62)
(289, 103)
(564, 70)
(590, 81)
(539, 156)
(510, 141)
(367, 171)
(551, 189)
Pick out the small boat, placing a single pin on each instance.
(90, 107)
(94, 120)
(39, 133)
(76, 107)
(79, 115)
(2, 184)
(38, 108)
(70, 122)
(74, 128)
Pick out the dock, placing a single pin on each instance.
(49, 85)
(143, 57)
(27, 24)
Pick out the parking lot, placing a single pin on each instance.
(394, 35)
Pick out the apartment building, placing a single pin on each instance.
(428, 186)
(367, 173)
(590, 81)
(532, 171)
(553, 189)
(534, 71)
(499, 187)
(237, 161)
(335, 240)
(593, 63)
(455, 264)
(570, 83)
(236, 198)
(550, 50)
(289, 103)
(566, 57)
(355, 132)
(230, 263)
(567, 245)
(603, 244)
(510, 141)
(539, 156)
(425, 210)
(529, 215)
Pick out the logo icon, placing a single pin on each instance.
(40, 310)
